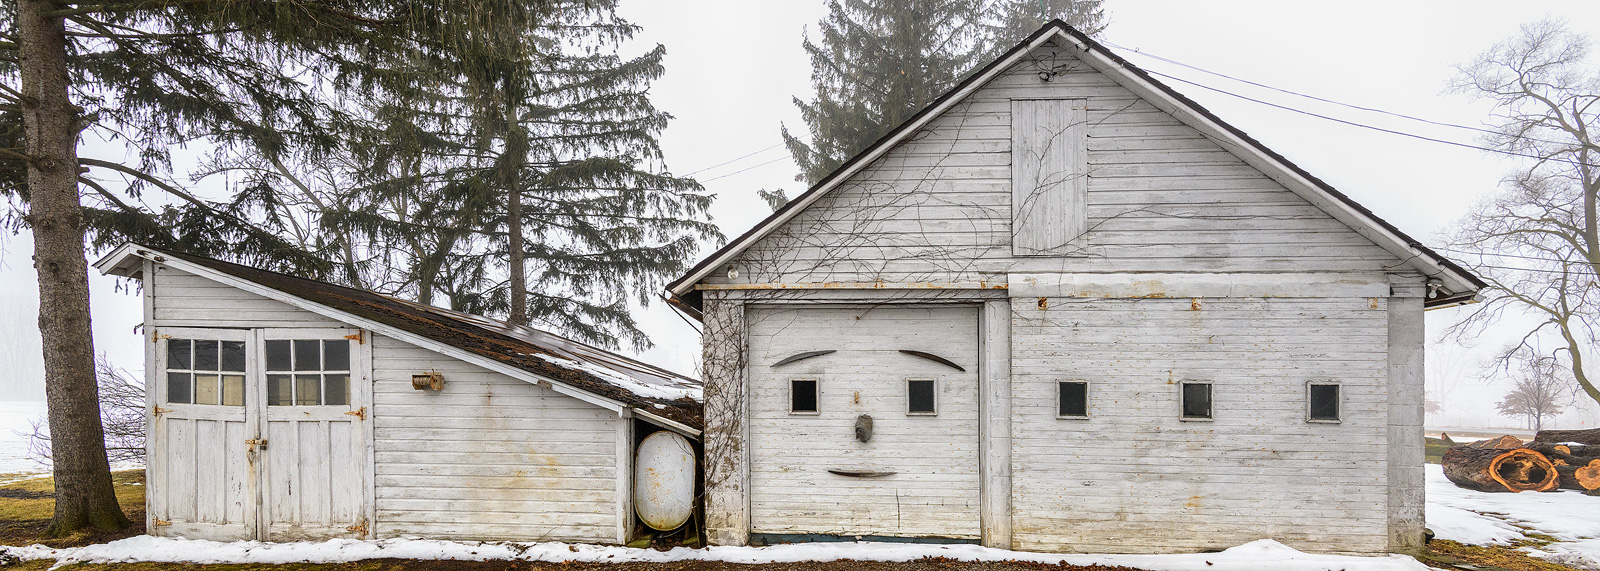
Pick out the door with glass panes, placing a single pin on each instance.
(261, 434)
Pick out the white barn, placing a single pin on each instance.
(282, 409)
(1065, 308)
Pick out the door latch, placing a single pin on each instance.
(257, 444)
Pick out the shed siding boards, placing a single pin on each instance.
(933, 488)
(1161, 197)
(188, 300)
(1133, 477)
(488, 457)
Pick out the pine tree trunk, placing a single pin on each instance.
(519, 279)
(84, 494)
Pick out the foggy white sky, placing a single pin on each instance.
(733, 65)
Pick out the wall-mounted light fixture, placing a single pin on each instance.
(429, 381)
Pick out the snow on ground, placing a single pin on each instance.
(1481, 518)
(1261, 555)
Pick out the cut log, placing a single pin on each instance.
(1557, 453)
(1493, 470)
(1584, 477)
(1506, 442)
(1590, 436)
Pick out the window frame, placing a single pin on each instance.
(1338, 403)
(1211, 397)
(358, 372)
(158, 384)
(1086, 398)
(933, 394)
(816, 396)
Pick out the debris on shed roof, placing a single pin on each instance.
(581, 366)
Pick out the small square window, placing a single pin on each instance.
(1324, 403)
(1196, 401)
(920, 397)
(803, 396)
(1072, 399)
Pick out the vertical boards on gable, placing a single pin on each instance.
(1049, 169)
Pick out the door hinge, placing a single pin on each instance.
(157, 336)
(360, 529)
(257, 443)
(158, 411)
(161, 522)
(357, 337)
(360, 413)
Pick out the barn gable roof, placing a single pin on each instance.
(577, 369)
(1458, 284)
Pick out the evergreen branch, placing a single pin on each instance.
(141, 175)
(105, 193)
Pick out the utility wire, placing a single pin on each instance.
(742, 157)
(744, 169)
(1363, 125)
(1323, 99)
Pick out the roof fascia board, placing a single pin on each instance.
(390, 331)
(667, 424)
(1360, 222)
(685, 284)
(111, 262)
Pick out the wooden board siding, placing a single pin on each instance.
(187, 300)
(938, 208)
(488, 457)
(934, 490)
(1048, 165)
(1134, 478)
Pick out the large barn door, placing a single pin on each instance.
(904, 380)
(315, 423)
(202, 467)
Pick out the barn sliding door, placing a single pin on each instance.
(259, 434)
(315, 423)
(864, 422)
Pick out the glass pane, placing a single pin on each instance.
(336, 355)
(803, 396)
(307, 389)
(280, 390)
(336, 389)
(278, 356)
(233, 390)
(1324, 402)
(1196, 400)
(1074, 399)
(306, 356)
(205, 389)
(919, 395)
(233, 356)
(178, 388)
(205, 355)
(178, 354)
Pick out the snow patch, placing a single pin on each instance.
(1260, 555)
(625, 382)
(1481, 518)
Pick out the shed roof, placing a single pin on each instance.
(650, 390)
(1459, 284)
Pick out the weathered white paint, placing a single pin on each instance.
(664, 480)
(488, 457)
(934, 488)
(994, 411)
(204, 479)
(315, 483)
(1406, 413)
(1049, 175)
(727, 428)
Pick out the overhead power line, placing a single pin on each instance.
(734, 160)
(745, 169)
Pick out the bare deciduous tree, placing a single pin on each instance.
(1537, 242)
(122, 413)
(1541, 390)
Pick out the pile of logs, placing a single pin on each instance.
(1554, 459)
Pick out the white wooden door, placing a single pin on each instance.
(315, 423)
(917, 475)
(202, 467)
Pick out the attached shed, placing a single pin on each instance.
(284, 409)
(1066, 308)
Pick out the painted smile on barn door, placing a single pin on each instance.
(260, 434)
(878, 437)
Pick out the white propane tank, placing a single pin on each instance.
(663, 481)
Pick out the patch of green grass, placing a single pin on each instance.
(1440, 553)
(1435, 449)
(32, 499)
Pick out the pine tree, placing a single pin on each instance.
(256, 82)
(540, 190)
(881, 61)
